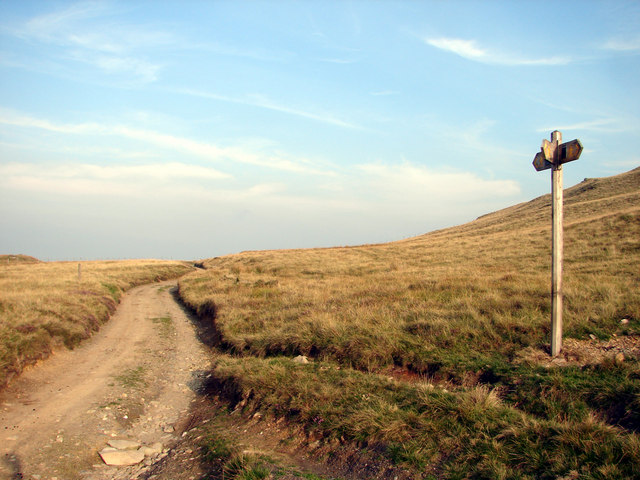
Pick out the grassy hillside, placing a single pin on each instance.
(432, 351)
(9, 259)
(44, 305)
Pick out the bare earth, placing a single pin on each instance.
(133, 380)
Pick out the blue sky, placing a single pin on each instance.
(195, 129)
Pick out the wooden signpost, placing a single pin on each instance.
(553, 154)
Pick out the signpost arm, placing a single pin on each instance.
(557, 249)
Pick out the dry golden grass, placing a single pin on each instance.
(44, 305)
(13, 259)
(487, 280)
(457, 306)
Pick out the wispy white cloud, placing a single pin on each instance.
(464, 48)
(256, 53)
(86, 25)
(476, 139)
(264, 189)
(470, 50)
(174, 182)
(49, 24)
(605, 125)
(262, 101)
(141, 69)
(623, 44)
(89, 179)
(214, 152)
(208, 151)
(633, 163)
(158, 171)
(10, 117)
(607, 118)
(71, 150)
(177, 182)
(408, 183)
(84, 33)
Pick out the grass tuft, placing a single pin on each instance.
(164, 326)
(133, 378)
(226, 460)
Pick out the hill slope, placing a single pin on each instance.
(432, 350)
(13, 259)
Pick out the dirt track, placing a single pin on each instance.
(133, 380)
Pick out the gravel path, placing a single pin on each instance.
(132, 381)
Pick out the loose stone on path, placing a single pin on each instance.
(124, 444)
(128, 452)
(113, 456)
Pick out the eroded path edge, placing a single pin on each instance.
(133, 380)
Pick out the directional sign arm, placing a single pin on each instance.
(553, 153)
(540, 162)
(549, 149)
(570, 151)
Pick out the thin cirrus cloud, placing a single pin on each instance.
(208, 151)
(48, 25)
(214, 152)
(408, 182)
(110, 172)
(256, 53)
(604, 125)
(261, 101)
(130, 67)
(470, 50)
(101, 179)
(623, 44)
(81, 34)
(84, 26)
(9, 117)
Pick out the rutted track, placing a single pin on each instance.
(133, 380)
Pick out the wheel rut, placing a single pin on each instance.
(133, 380)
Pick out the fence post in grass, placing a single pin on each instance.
(79, 272)
(553, 155)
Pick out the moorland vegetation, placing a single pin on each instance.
(47, 305)
(428, 356)
(432, 352)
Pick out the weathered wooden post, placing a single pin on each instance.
(79, 272)
(552, 155)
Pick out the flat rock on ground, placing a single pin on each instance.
(133, 381)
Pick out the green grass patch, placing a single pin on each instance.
(164, 325)
(113, 290)
(133, 378)
(226, 460)
(467, 433)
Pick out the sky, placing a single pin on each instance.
(194, 129)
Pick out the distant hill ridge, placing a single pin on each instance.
(18, 259)
(590, 199)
